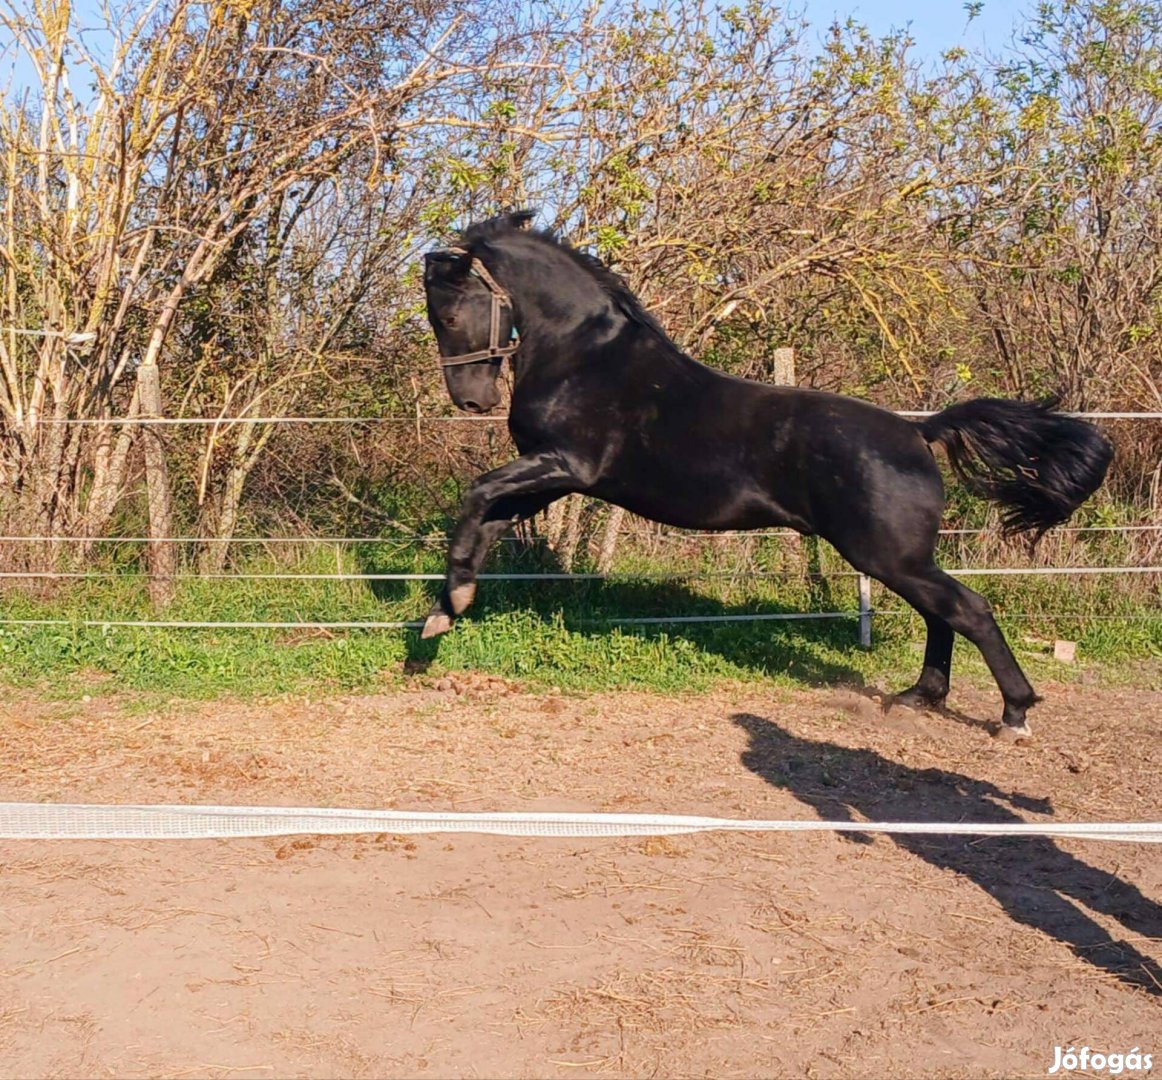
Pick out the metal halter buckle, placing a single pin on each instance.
(500, 298)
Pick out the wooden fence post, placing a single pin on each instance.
(785, 367)
(784, 375)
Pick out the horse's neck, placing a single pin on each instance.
(591, 317)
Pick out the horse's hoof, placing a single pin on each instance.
(1014, 733)
(915, 699)
(461, 596)
(435, 625)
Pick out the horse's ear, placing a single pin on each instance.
(522, 219)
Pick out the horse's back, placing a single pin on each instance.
(673, 440)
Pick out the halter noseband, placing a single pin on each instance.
(500, 299)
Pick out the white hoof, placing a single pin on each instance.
(435, 625)
(1010, 734)
(462, 596)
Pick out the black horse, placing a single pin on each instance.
(604, 403)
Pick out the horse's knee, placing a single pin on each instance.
(476, 500)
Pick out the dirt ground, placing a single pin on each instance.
(716, 955)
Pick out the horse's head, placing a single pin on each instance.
(474, 323)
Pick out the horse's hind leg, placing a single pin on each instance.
(931, 688)
(936, 595)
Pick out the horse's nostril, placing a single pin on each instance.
(472, 407)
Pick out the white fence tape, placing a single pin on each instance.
(63, 821)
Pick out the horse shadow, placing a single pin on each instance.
(1034, 881)
(810, 650)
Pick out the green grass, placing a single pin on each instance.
(553, 634)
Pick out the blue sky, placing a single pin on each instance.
(935, 24)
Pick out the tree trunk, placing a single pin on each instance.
(47, 495)
(162, 556)
(110, 465)
(222, 517)
(572, 533)
(554, 522)
(609, 540)
(222, 522)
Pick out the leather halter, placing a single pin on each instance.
(500, 299)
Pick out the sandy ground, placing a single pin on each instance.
(734, 955)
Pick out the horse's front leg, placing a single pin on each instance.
(512, 492)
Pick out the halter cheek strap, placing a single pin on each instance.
(500, 299)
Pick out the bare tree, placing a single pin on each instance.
(209, 129)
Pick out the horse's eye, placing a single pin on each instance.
(451, 320)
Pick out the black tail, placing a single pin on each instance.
(1037, 463)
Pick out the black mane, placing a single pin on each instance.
(611, 283)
